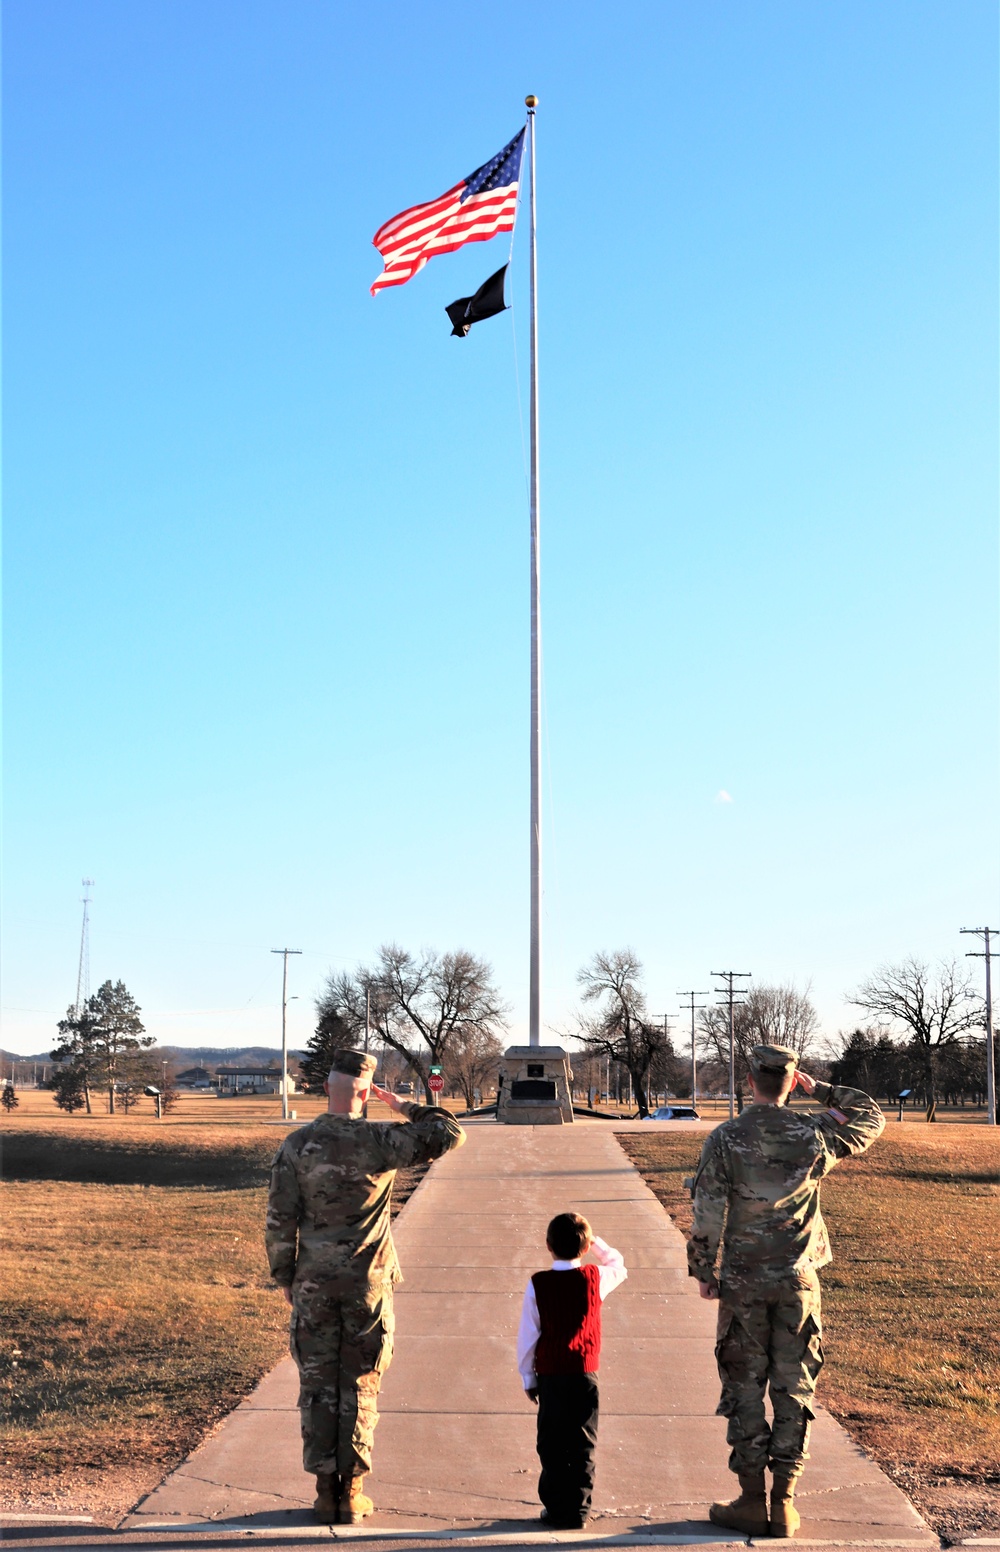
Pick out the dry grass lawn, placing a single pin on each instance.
(138, 1310)
(910, 1307)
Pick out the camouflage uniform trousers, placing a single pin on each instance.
(341, 1340)
(769, 1335)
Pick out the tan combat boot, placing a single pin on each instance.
(328, 1490)
(784, 1515)
(354, 1505)
(748, 1512)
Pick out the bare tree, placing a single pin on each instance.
(422, 1007)
(473, 1062)
(621, 1028)
(766, 1015)
(782, 1015)
(669, 1072)
(936, 1010)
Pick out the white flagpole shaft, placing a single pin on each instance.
(284, 1040)
(991, 1077)
(535, 974)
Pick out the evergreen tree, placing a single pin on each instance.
(855, 1066)
(69, 1086)
(8, 1097)
(77, 1054)
(104, 1042)
(333, 1033)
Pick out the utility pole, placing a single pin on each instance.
(666, 1036)
(284, 952)
(729, 976)
(991, 1076)
(368, 1026)
(692, 1008)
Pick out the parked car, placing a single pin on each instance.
(674, 1113)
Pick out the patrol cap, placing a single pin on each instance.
(353, 1064)
(773, 1058)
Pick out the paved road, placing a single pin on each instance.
(454, 1455)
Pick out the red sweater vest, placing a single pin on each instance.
(569, 1312)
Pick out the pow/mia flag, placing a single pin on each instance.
(486, 303)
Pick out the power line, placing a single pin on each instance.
(991, 1079)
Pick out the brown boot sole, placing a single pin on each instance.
(785, 1525)
(356, 1513)
(750, 1524)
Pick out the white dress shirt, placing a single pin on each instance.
(612, 1272)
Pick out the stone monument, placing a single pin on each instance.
(535, 1086)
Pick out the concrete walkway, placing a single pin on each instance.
(454, 1451)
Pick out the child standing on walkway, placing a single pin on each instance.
(558, 1352)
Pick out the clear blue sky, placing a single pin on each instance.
(266, 538)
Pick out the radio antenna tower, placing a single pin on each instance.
(83, 969)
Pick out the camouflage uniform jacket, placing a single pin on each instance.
(331, 1188)
(757, 1186)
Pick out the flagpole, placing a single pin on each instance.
(535, 973)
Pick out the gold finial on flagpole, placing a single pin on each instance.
(531, 102)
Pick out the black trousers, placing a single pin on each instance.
(567, 1439)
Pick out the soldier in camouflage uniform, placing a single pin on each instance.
(330, 1249)
(757, 1191)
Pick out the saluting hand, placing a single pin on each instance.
(804, 1082)
(388, 1098)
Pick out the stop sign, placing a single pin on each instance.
(435, 1083)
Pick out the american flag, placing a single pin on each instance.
(474, 210)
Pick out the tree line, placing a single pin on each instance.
(886, 1069)
(446, 1011)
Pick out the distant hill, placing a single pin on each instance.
(188, 1055)
(223, 1056)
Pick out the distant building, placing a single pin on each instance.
(195, 1078)
(252, 1080)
